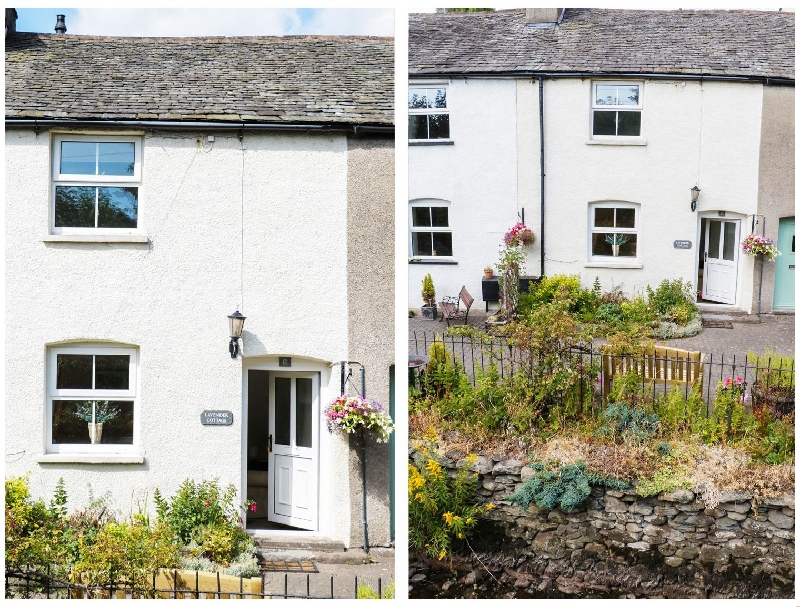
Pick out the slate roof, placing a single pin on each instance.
(292, 79)
(740, 43)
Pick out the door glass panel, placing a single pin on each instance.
(304, 418)
(729, 243)
(283, 410)
(713, 239)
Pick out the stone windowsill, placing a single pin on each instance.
(135, 238)
(90, 458)
(432, 142)
(433, 261)
(621, 265)
(626, 141)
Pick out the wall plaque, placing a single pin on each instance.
(216, 418)
(285, 361)
(682, 244)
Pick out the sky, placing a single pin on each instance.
(210, 22)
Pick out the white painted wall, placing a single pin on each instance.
(477, 175)
(170, 297)
(706, 134)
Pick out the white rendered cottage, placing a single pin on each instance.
(594, 126)
(153, 187)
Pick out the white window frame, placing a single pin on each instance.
(432, 111)
(428, 203)
(53, 393)
(616, 108)
(602, 230)
(67, 179)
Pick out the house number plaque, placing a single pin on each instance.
(682, 244)
(285, 361)
(216, 418)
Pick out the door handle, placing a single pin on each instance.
(269, 444)
(705, 256)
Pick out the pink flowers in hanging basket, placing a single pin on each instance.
(519, 236)
(758, 245)
(351, 413)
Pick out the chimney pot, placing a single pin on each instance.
(61, 27)
(11, 21)
(543, 17)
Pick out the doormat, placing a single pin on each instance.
(289, 566)
(717, 324)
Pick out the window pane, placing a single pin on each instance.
(67, 426)
(71, 419)
(628, 95)
(440, 98)
(603, 218)
(630, 124)
(599, 244)
(417, 99)
(439, 126)
(117, 207)
(112, 372)
(439, 216)
(421, 243)
(417, 127)
(78, 158)
(442, 243)
(604, 123)
(713, 239)
(119, 429)
(283, 410)
(605, 94)
(303, 423)
(729, 243)
(74, 371)
(628, 249)
(75, 207)
(626, 218)
(116, 158)
(421, 216)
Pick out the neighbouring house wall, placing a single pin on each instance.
(673, 545)
(477, 175)
(776, 174)
(259, 230)
(371, 326)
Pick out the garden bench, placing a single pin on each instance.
(451, 307)
(661, 365)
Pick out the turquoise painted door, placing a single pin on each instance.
(783, 299)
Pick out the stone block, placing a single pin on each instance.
(736, 506)
(679, 496)
(716, 555)
(640, 546)
(615, 505)
(688, 552)
(735, 496)
(737, 516)
(643, 508)
(509, 466)
(673, 561)
(780, 520)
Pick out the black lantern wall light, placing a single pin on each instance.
(236, 323)
(695, 196)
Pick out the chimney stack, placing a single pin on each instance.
(61, 27)
(11, 21)
(543, 17)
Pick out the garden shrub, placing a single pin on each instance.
(441, 508)
(680, 413)
(565, 487)
(566, 287)
(127, 552)
(776, 444)
(667, 329)
(773, 371)
(624, 423)
(365, 591)
(729, 423)
(671, 294)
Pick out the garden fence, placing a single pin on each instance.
(474, 357)
(174, 584)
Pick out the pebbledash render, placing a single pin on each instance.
(595, 126)
(154, 186)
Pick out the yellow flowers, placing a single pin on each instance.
(415, 479)
(448, 518)
(472, 458)
(430, 436)
(490, 507)
(442, 554)
(434, 468)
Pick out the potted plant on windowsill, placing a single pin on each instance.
(429, 310)
(616, 240)
(96, 416)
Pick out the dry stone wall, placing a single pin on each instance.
(673, 545)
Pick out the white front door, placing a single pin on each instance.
(294, 457)
(721, 258)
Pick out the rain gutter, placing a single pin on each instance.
(767, 80)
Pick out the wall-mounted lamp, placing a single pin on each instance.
(695, 196)
(236, 322)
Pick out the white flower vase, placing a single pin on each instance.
(95, 432)
(615, 248)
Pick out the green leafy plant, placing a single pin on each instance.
(428, 291)
(622, 422)
(365, 591)
(441, 508)
(102, 410)
(556, 486)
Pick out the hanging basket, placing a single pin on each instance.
(353, 413)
